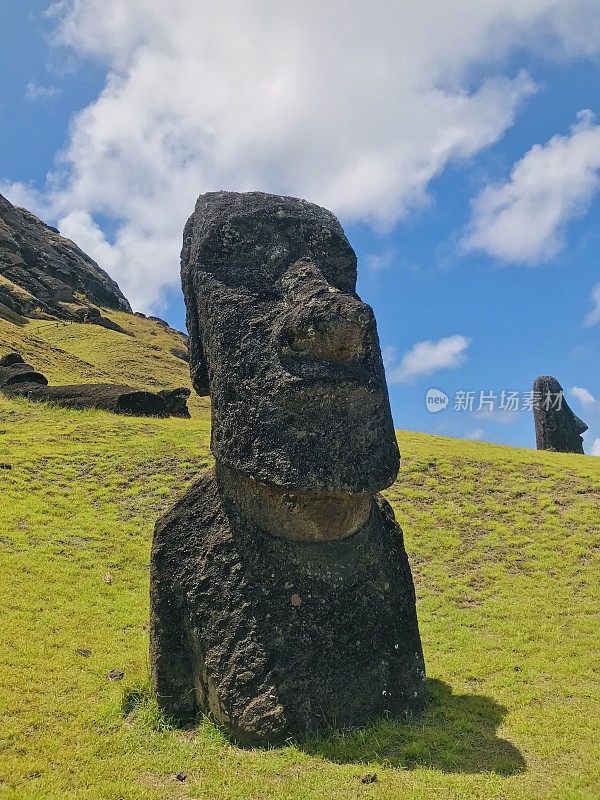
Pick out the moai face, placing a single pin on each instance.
(557, 429)
(285, 347)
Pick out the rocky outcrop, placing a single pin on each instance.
(282, 600)
(43, 273)
(557, 428)
(10, 359)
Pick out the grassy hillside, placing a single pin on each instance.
(70, 352)
(505, 549)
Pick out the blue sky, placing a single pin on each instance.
(114, 118)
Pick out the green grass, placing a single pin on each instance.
(71, 352)
(505, 549)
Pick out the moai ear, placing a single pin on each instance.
(198, 363)
(199, 372)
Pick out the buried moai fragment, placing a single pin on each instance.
(176, 401)
(18, 379)
(556, 426)
(282, 600)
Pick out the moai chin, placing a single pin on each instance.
(282, 600)
(556, 426)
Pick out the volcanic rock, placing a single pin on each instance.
(176, 401)
(282, 601)
(556, 426)
(40, 269)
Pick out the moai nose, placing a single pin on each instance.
(322, 323)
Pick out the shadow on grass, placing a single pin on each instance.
(455, 733)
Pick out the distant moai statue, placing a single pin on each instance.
(556, 426)
(282, 600)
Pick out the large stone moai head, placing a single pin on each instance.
(284, 345)
(556, 426)
(281, 595)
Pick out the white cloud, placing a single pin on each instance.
(501, 416)
(593, 317)
(595, 449)
(376, 262)
(524, 219)
(34, 92)
(476, 435)
(388, 354)
(585, 397)
(81, 228)
(354, 105)
(427, 357)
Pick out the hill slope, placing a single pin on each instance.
(46, 275)
(505, 549)
(70, 320)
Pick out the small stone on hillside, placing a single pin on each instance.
(370, 777)
(116, 675)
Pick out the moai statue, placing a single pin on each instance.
(556, 426)
(282, 600)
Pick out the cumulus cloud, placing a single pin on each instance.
(81, 228)
(354, 105)
(524, 219)
(585, 397)
(26, 196)
(595, 448)
(427, 357)
(34, 92)
(593, 317)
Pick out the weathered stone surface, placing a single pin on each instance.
(180, 353)
(104, 396)
(11, 358)
(39, 268)
(556, 426)
(275, 637)
(92, 316)
(281, 596)
(291, 355)
(19, 373)
(176, 401)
